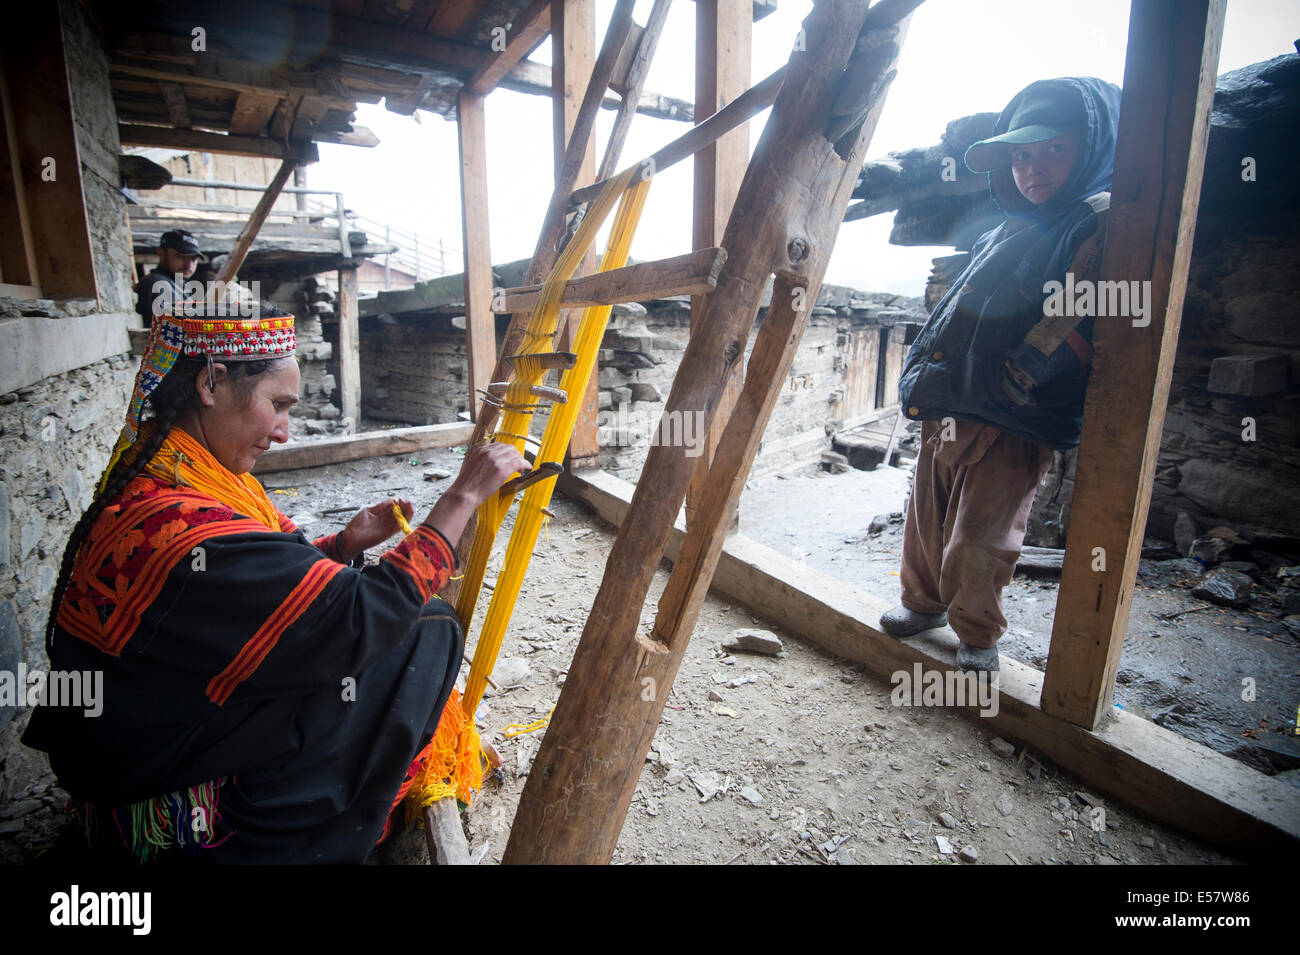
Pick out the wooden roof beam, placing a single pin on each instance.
(201, 141)
(529, 29)
(535, 78)
(259, 30)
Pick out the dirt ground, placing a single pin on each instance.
(798, 758)
(801, 758)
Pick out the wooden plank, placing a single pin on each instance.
(785, 218)
(480, 324)
(453, 17)
(445, 834)
(692, 273)
(722, 65)
(246, 236)
(369, 444)
(1161, 774)
(752, 102)
(252, 112)
(527, 30)
(573, 49)
(196, 140)
(535, 78)
(1160, 155)
(45, 133)
(634, 82)
(349, 350)
(267, 31)
(177, 111)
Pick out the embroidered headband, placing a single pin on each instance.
(223, 339)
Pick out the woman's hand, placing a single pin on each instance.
(485, 469)
(371, 526)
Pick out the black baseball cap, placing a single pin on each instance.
(181, 241)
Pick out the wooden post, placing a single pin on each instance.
(349, 350)
(785, 219)
(1173, 49)
(544, 254)
(635, 81)
(723, 30)
(573, 45)
(255, 220)
(480, 323)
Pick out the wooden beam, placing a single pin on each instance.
(535, 78)
(723, 31)
(548, 240)
(200, 141)
(45, 133)
(230, 269)
(1160, 155)
(177, 111)
(1163, 775)
(737, 113)
(369, 444)
(233, 73)
(252, 112)
(573, 69)
(785, 219)
(445, 834)
(279, 33)
(634, 81)
(480, 324)
(693, 273)
(453, 17)
(528, 30)
(349, 350)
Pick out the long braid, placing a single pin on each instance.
(173, 395)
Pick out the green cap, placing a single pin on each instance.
(1041, 115)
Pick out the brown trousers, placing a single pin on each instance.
(966, 523)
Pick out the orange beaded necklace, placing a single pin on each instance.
(182, 460)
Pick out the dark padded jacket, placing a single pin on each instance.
(957, 365)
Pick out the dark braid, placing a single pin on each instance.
(174, 394)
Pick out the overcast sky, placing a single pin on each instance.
(960, 57)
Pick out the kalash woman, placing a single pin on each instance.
(263, 700)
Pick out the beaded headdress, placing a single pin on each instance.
(221, 339)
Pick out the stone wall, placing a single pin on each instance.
(413, 371)
(56, 432)
(95, 120)
(312, 305)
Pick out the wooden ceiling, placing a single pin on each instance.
(271, 78)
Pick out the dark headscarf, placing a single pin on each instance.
(956, 367)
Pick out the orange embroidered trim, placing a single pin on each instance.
(252, 654)
(425, 558)
(112, 636)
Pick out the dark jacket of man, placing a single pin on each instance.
(956, 367)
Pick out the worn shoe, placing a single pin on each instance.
(977, 658)
(901, 622)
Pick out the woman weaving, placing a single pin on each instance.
(263, 700)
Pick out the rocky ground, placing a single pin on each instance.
(797, 758)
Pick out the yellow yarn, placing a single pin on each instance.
(629, 188)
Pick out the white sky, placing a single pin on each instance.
(956, 60)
